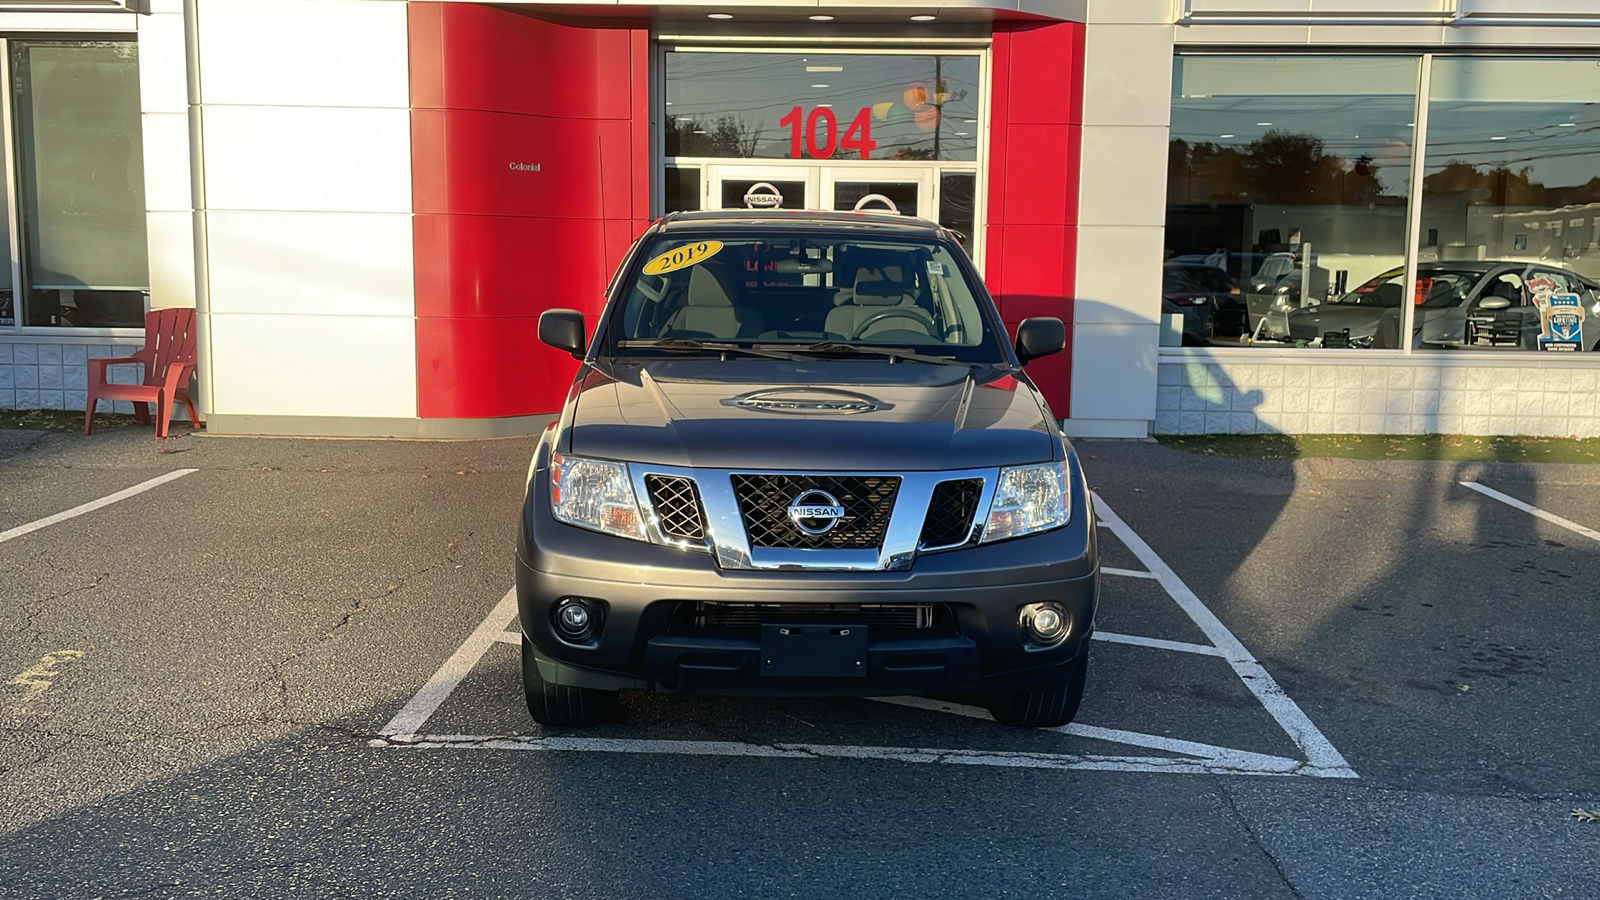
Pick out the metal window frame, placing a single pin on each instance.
(10, 194)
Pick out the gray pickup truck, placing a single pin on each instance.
(801, 458)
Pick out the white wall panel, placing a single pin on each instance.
(325, 366)
(170, 236)
(1118, 274)
(300, 158)
(1114, 371)
(1124, 175)
(1576, 8)
(166, 161)
(1149, 12)
(1127, 75)
(1241, 34)
(304, 52)
(1382, 7)
(311, 264)
(1246, 7)
(163, 69)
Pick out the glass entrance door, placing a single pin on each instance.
(762, 187)
(879, 189)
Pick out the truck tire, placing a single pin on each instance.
(1049, 707)
(559, 705)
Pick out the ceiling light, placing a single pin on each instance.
(699, 131)
(824, 106)
(819, 85)
(1567, 125)
(719, 15)
(669, 102)
(1263, 123)
(1225, 135)
(970, 121)
(824, 68)
(923, 18)
(1498, 137)
(820, 18)
(962, 133)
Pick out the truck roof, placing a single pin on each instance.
(799, 219)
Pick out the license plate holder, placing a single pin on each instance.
(814, 650)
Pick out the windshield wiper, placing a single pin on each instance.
(849, 349)
(690, 345)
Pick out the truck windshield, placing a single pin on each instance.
(806, 294)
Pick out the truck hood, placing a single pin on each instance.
(820, 414)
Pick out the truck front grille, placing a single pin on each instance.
(764, 502)
(677, 505)
(753, 615)
(950, 512)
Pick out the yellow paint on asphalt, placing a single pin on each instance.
(37, 679)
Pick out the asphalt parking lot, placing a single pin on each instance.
(274, 666)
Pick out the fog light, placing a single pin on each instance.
(574, 618)
(577, 619)
(1046, 622)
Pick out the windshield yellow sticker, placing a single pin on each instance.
(687, 255)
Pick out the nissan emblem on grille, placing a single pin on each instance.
(815, 512)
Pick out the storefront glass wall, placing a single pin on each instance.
(824, 130)
(79, 184)
(1290, 190)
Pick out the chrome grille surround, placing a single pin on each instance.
(729, 542)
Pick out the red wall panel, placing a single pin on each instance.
(1036, 114)
(496, 93)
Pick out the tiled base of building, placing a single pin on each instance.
(1365, 392)
(55, 375)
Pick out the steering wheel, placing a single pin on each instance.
(904, 312)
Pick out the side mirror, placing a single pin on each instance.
(1494, 303)
(1040, 336)
(563, 330)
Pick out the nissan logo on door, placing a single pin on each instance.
(524, 167)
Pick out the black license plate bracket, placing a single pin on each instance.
(814, 650)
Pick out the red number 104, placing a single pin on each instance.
(821, 133)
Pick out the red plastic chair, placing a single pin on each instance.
(168, 358)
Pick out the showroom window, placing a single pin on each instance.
(1290, 193)
(1511, 190)
(1288, 182)
(77, 179)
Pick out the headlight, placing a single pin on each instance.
(1029, 499)
(592, 493)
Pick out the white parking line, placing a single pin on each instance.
(1321, 759)
(1157, 643)
(1000, 758)
(1126, 573)
(1318, 750)
(411, 717)
(1241, 759)
(1514, 503)
(93, 505)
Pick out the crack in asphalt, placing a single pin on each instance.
(32, 609)
(1255, 839)
(277, 678)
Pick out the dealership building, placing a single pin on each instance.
(1299, 216)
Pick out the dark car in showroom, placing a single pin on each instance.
(801, 458)
(1458, 304)
(1200, 294)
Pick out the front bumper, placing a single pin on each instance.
(977, 639)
